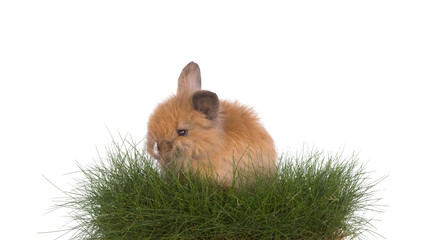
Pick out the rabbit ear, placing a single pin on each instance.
(206, 102)
(189, 80)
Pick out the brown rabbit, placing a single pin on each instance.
(193, 129)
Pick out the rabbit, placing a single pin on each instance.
(194, 129)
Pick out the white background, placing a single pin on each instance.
(329, 74)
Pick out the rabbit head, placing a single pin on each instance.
(185, 125)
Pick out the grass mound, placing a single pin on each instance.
(312, 196)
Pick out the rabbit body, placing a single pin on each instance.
(194, 130)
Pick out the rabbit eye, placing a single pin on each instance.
(182, 132)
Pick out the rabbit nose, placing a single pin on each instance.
(164, 146)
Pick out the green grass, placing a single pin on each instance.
(312, 196)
